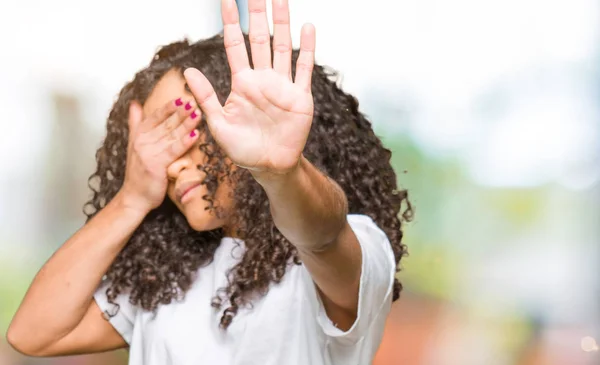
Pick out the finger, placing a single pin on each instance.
(282, 39)
(306, 59)
(233, 37)
(180, 146)
(136, 114)
(260, 37)
(205, 95)
(175, 119)
(160, 114)
(164, 128)
(184, 136)
(187, 126)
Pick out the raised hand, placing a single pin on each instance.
(154, 143)
(265, 121)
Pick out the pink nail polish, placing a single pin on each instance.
(188, 106)
(178, 102)
(193, 134)
(193, 115)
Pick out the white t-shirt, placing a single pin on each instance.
(288, 326)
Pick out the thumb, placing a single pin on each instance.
(135, 116)
(204, 93)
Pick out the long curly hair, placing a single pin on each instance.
(162, 258)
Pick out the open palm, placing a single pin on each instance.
(265, 121)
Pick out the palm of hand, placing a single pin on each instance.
(265, 121)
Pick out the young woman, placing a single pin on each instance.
(242, 214)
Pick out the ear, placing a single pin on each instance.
(136, 114)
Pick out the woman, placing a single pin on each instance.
(256, 228)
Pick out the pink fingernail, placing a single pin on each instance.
(193, 115)
(193, 134)
(178, 102)
(188, 106)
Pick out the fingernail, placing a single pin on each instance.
(193, 134)
(188, 106)
(193, 115)
(178, 102)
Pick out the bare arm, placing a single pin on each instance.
(264, 127)
(61, 294)
(58, 315)
(310, 210)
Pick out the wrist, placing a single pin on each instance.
(128, 202)
(279, 178)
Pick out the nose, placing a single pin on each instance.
(182, 163)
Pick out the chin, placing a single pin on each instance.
(203, 222)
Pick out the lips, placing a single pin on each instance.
(182, 189)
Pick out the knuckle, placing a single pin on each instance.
(164, 112)
(169, 106)
(280, 20)
(304, 66)
(165, 128)
(256, 10)
(188, 126)
(178, 115)
(229, 43)
(168, 125)
(282, 47)
(173, 149)
(259, 38)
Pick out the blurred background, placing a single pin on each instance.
(491, 108)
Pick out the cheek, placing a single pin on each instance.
(195, 212)
(195, 153)
(224, 196)
(201, 219)
(171, 193)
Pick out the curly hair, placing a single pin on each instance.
(161, 259)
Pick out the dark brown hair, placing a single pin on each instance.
(160, 261)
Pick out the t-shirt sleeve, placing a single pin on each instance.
(121, 316)
(376, 283)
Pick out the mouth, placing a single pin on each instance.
(183, 190)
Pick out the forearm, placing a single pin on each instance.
(310, 210)
(307, 207)
(63, 289)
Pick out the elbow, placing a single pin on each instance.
(333, 236)
(20, 343)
